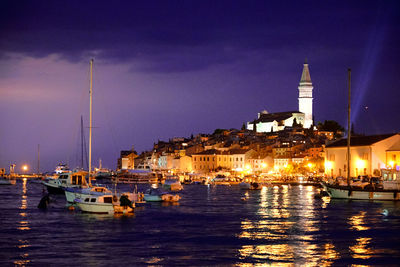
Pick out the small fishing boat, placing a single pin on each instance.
(72, 193)
(157, 195)
(105, 204)
(64, 180)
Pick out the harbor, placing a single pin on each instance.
(276, 225)
(199, 133)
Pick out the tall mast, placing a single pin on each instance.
(90, 123)
(348, 129)
(82, 142)
(38, 163)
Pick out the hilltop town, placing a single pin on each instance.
(294, 150)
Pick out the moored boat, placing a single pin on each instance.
(64, 180)
(386, 187)
(72, 193)
(105, 204)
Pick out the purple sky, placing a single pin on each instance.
(168, 69)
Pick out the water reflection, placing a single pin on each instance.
(23, 226)
(277, 252)
(357, 222)
(287, 216)
(360, 250)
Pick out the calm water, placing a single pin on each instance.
(210, 226)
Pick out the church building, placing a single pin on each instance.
(273, 122)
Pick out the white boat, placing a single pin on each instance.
(72, 193)
(70, 179)
(62, 168)
(387, 189)
(105, 204)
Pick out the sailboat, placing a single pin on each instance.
(96, 199)
(387, 190)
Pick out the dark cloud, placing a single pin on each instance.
(179, 35)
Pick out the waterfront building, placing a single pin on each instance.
(369, 154)
(273, 122)
(126, 161)
(206, 161)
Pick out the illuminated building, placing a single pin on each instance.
(273, 122)
(369, 154)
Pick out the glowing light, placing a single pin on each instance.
(263, 165)
(24, 168)
(328, 164)
(360, 163)
(391, 163)
(247, 167)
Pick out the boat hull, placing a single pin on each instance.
(103, 208)
(53, 189)
(345, 192)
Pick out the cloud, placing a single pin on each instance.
(176, 36)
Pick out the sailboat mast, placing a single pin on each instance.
(82, 142)
(38, 163)
(348, 128)
(90, 118)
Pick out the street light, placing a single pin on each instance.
(24, 168)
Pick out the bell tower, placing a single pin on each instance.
(305, 96)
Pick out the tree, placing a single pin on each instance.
(331, 126)
(243, 126)
(218, 131)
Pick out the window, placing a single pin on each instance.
(92, 200)
(107, 199)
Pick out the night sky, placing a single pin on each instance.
(166, 69)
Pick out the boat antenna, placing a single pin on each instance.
(348, 128)
(90, 123)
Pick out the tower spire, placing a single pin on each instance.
(305, 96)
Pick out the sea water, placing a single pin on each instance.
(211, 225)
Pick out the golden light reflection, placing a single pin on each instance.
(23, 226)
(278, 252)
(275, 224)
(329, 254)
(360, 250)
(357, 222)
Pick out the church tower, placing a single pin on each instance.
(305, 96)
